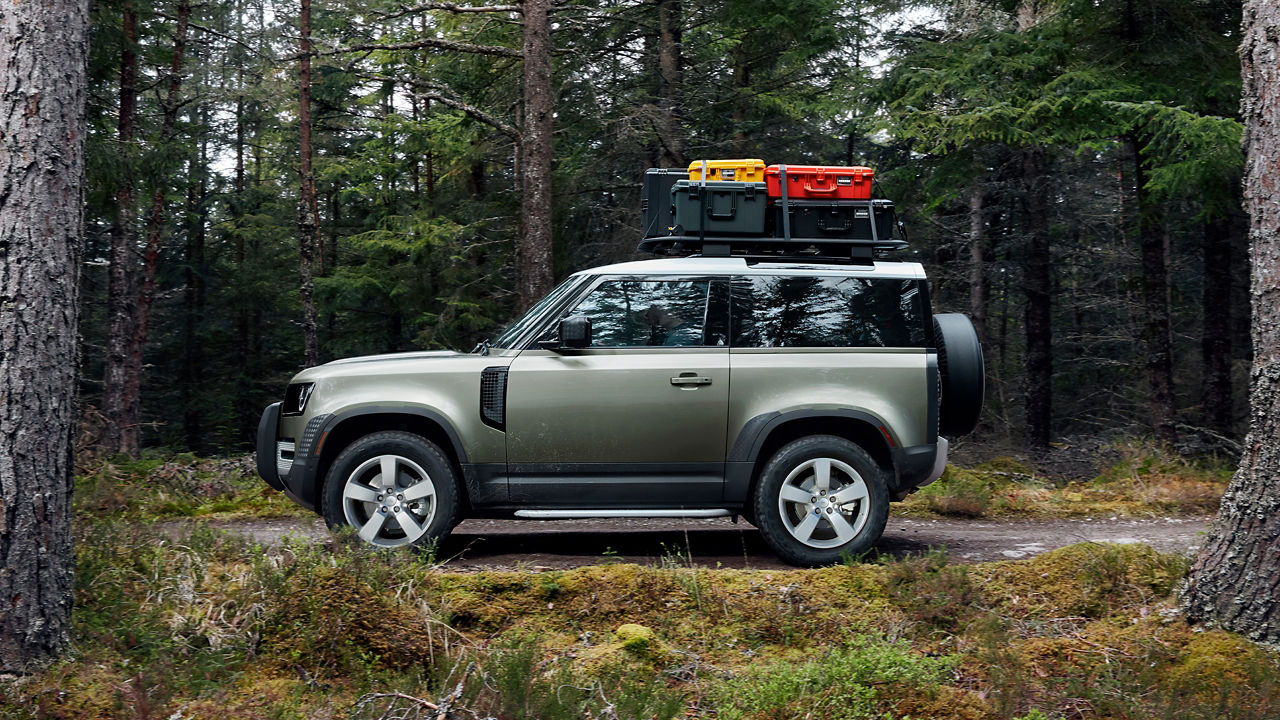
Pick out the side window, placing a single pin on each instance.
(828, 312)
(638, 313)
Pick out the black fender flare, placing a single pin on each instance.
(745, 452)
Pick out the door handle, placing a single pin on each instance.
(690, 379)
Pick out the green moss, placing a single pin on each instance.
(1088, 579)
(335, 626)
(636, 639)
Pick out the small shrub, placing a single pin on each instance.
(843, 682)
(932, 591)
(958, 492)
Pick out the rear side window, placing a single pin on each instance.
(785, 311)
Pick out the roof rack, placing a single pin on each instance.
(826, 250)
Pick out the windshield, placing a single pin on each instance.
(513, 332)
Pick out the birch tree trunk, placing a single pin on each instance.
(1235, 580)
(42, 123)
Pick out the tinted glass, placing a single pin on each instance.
(632, 313)
(530, 318)
(828, 312)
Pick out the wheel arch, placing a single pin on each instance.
(345, 428)
(764, 435)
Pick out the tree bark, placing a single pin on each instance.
(741, 84)
(534, 254)
(120, 410)
(1038, 288)
(131, 429)
(1235, 580)
(670, 84)
(1215, 343)
(42, 123)
(308, 212)
(977, 263)
(1157, 331)
(194, 300)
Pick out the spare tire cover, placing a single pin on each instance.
(960, 374)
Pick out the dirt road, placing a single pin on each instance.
(558, 544)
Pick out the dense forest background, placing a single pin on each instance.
(1069, 173)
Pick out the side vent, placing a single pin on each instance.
(493, 397)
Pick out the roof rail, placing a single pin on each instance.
(826, 250)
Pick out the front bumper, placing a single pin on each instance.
(266, 451)
(288, 464)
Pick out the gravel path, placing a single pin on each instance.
(717, 542)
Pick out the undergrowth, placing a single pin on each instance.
(182, 621)
(1139, 479)
(204, 624)
(165, 486)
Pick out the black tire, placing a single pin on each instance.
(961, 376)
(811, 531)
(425, 506)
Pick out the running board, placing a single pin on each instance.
(568, 514)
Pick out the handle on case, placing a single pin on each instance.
(711, 206)
(835, 222)
(824, 188)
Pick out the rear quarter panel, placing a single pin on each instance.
(887, 383)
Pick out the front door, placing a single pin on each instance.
(638, 418)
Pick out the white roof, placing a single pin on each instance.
(739, 266)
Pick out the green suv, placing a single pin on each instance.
(804, 396)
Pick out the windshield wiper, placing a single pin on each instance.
(481, 348)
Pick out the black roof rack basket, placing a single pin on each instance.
(841, 250)
(781, 244)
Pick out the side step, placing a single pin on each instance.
(568, 514)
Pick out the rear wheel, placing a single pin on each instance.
(394, 488)
(819, 499)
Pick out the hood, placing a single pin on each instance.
(416, 355)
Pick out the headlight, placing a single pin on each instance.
(295, 398)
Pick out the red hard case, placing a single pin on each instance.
(816, 182)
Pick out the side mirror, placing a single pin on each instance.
(575, 332)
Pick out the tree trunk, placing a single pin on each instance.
(1215, 344)
(534, 254)
(977, 263)
(194, 301)
(1157, 332)
(131, 433)
(45, 46)
(670, 84)
(308, 212)
(1038, 288)
(1235, 580)
(741, 84)
(121, 411)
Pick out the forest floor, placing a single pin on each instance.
(200, 594)
(538, 545)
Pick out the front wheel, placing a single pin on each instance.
(819, 499)
(394, 488)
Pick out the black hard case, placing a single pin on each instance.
(837, 220)
(719, 208)
(655, 202)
